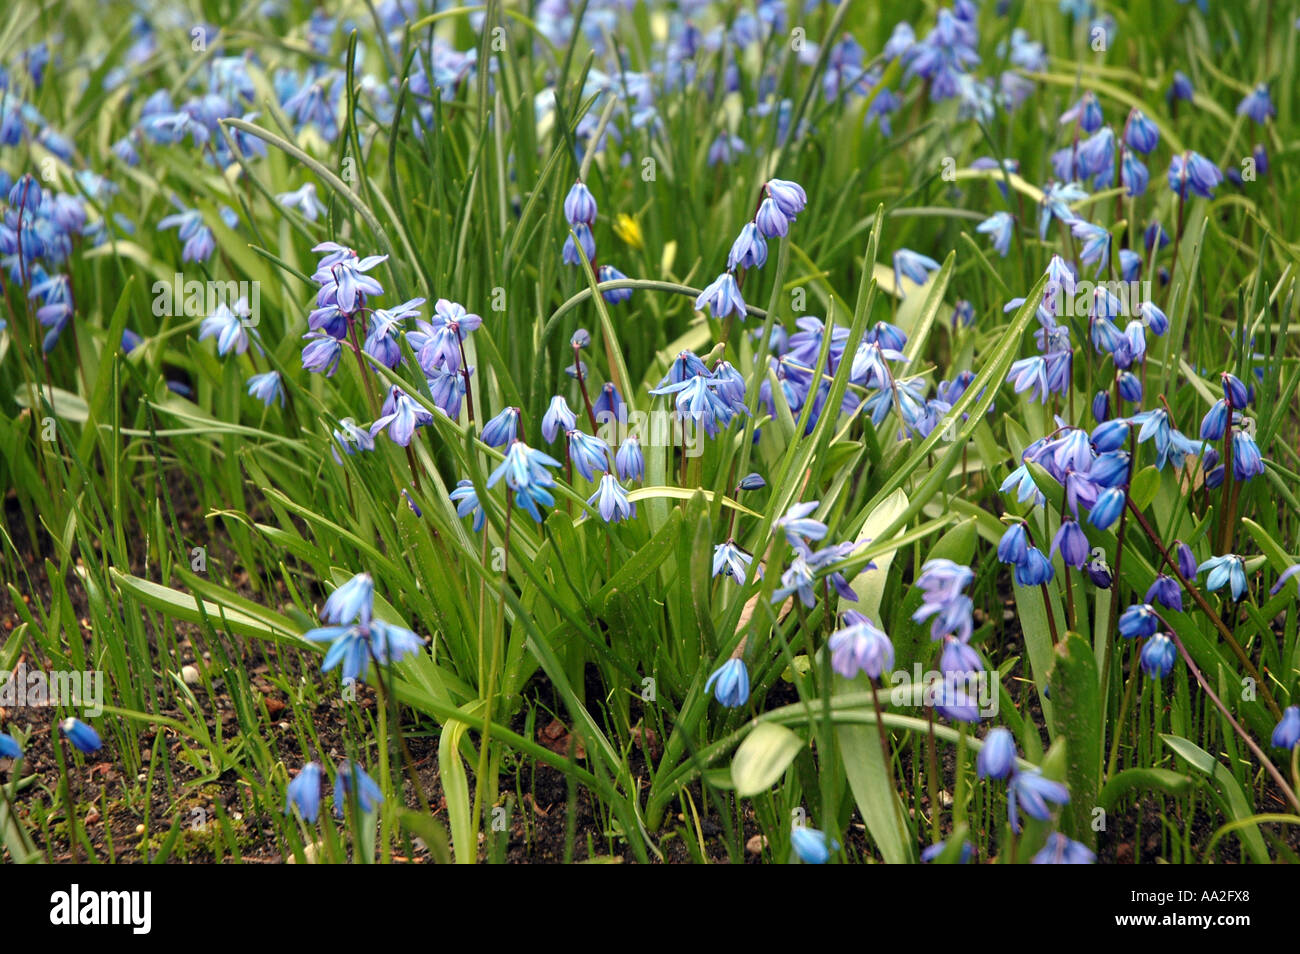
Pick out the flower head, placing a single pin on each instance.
(304, 793)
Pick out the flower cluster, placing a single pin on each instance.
(781, 201)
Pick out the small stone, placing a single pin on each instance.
(756, 845)
(190, 675)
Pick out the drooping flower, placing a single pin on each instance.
(304, 793)
(913, 265)
(502, 429)
(812, 847)
(9, 748)
(354, 600)
(1286, 734)
(729, 683)
(1193, 172)
(730, 560)
(1030, 791)
(611, 500)
(997, 758)
(1140, 619)
(860, 646)
(722, 297)
(351, 781)
(83, 737)
(999, 227)
(266, 388)
(1060, 850)
(1158, 656)
(467, 503)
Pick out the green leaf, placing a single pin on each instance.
(455, 788)
(1077, 714)
(1139, 779)
(1233, 796)
(763, 757)
(645, 562)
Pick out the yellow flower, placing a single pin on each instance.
(626, 228)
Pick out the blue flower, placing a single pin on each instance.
(731, 560)
(83, 737)
(353, 646)
(615, 296)
(525, 473)
(1180, 88)
(304, 200)
(1096, 243)
(1138, 620)
(266, 388)
(629, 462)
(999, 228)
(1013, 547)
(729, 683)
(997, 758)
(751, 482)
(722, 297)
(1110, 435)
(198, 238)
(1215, 421)
(933, 852)
(579, 237)
(304, 793)
(351, 781)
(798, 578)
(769, 220)
(1072, 543)
(610, 499)
(812, 846)
(1246, 462)
(558, 417)
(9, 749)
(1165, 591)
(860, 646)
(580, 205)
(227, 327)
(344, 281)
(467, 503)
(789, 197)
(1257, 105)
(354, 600)
(503, 428)
(1060, 850)
(609, 404)
(1285, 575)
(1234, 392)
(1036, 569)
(798, 526)
(914, 266)
(749, 250)
(401, 416)
(1087, 112)
(1158, 656)
(1056, 204)
(1107, 508)
(352, 437)
(1030, 791)
(1287, 732)
(1193, 171)
(725, 148)
(1225, 569)
(1140, 133)
(588, 454)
